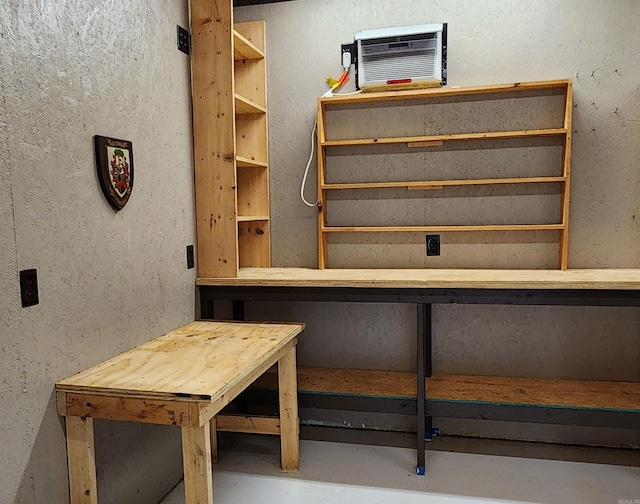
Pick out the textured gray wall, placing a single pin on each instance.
(595, 44)
(108, 281)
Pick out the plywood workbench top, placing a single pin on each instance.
(626, 279)
(200, 361)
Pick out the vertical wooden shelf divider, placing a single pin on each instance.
(229, 95)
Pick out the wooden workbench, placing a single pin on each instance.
(183, 378)
(569, 402)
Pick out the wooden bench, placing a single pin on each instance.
(183, 378)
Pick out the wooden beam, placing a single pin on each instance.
(130, 409)
(288, 403)
(248, 424)
(196, 461)
(81, 460)
(213, 436)
(566, 172)
(212, 64)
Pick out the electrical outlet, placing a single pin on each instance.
(433, 245)
(183, 40)
(190, 261)
(350, 48)
(29, 287)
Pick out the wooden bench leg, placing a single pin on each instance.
(81, 460)
(196, 460)
(213, 430)
(289, 425)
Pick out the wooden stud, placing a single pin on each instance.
(566, 172)
(288, 403)
(61, 403)
(213, 436)
(248, 424)
(81, 461)
(322, 213)
(196, 461)
(214, 137)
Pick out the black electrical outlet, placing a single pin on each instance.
(433, 245)
(190, 261)
(29, 287)
(183, 40)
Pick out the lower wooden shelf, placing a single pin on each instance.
(495, 390)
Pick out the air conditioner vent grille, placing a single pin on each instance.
(411, 65)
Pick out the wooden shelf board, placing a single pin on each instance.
(252, 218)
(244, 49)
(442, 229)
(458, 137)
(572, 394)
(436, 184)
(244, 162)
(366, 97)
(245, 106)
(433, 278)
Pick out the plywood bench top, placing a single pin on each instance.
(201, 361)
(603, 279)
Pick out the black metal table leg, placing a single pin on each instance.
(206, 307)
(424, 367)
(238, 310)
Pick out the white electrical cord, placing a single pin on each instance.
(306, 170)
(313, 145)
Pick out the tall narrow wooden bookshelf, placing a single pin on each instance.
(230, 140)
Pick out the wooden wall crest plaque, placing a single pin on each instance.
(114, 163)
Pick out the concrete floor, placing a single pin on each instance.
(340, 473)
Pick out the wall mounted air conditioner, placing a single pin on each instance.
(402, 58)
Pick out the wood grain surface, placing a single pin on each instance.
(580, 394)
(201, 361)
(603, 279)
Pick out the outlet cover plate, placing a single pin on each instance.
(433, 245)
(29, 287)
(183, 40)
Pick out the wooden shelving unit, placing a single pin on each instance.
(367, 100)
(230, 140)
